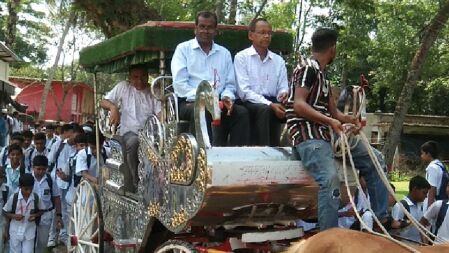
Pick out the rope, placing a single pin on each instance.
(359, 96)
(422, 230)
(386, 235)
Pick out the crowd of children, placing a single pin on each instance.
(427, 201)
(38, 176)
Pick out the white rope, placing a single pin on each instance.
(386, 235)
(358, 93)
(422, 230)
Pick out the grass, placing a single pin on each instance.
(401, 188)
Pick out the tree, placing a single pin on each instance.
(416, 66)
(23, 31)
(11, 23)
(47, 86)
(113, 16)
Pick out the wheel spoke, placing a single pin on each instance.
(88, 243)
(88, 225)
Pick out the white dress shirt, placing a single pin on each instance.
(135, 106)
(190, 65)
(257, 78)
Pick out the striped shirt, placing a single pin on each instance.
(309, 76)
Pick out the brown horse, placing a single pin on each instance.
(339, 240)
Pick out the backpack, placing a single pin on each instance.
(58, 152)
(76, 178)
(52, 142)
(4, 157)
(441, 215)
(406, 206)
(441, 194)
(30, 160)
(15, 199)
(5, 195)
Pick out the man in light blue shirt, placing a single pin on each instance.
(201, 59)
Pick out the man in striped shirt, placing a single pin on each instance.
(311, 114)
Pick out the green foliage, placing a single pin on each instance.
(32, 33)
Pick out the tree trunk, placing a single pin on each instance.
(219, 10)
(232, 12)
(55, 65)
(11, 23)
(414, 72)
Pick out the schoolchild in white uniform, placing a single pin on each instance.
(16, 138)
(49, 193)
(39, 140)
(434, 171)
(15, 168)
(27, 142)
(3, 200)
(413, 202)
(438, 214)
(23, 209)
(51, 137)
(80, 144)
(86, 161)
(60, 160)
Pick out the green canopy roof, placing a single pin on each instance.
(143, 44)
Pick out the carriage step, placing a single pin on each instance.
(124, 246)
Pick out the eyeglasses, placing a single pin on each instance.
(264, 33)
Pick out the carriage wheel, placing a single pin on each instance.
(86, 221)
(176, 246)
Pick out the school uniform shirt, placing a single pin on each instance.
(63, 164)
(81, 162)
(17, 125)
(23, 229)
(135, 106)
(53, 150)
(257, 79)
(4, 156)
(362, 206)
(416, 210)
(50, 142)
(42, 189)
(30, 156)
(432, 214)
(12, 179)
(433, 176)
(72, 168)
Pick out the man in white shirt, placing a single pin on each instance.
(131, 103)
(201, 59)
(413, 202)
(262, 84)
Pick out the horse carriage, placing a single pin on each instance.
(191, 197)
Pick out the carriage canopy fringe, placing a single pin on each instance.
(143, 44)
